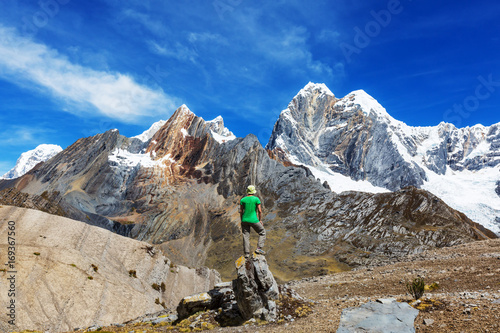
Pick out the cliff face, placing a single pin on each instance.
(71, 274)
(354, 144)
(180, 190)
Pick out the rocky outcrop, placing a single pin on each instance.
(43, 202)
(71, 274)
(255, 288)
(253, 294)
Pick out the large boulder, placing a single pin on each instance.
(255, 288)
(220, 297)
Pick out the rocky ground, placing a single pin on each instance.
(467, 300)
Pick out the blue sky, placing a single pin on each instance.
(71, 69)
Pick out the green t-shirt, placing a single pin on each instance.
(249, 204)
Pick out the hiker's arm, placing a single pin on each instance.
(259, 211)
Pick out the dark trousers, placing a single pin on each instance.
(259, 228)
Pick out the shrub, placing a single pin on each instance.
(36, 253)
(416, 288)
(95, 267)
(155, 287)
(163, 287)
(132, 273)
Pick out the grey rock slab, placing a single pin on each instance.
(387, 317)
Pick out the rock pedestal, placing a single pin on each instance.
(255, 288)
(251, 295)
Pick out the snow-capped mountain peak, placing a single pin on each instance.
(315, 88)
(353, 143)
(29, 159)
(219, 131)
(183, 109)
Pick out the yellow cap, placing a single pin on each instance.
(251, 189)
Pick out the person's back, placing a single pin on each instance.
(250, 204)
(251, 217)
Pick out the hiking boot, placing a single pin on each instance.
(260, 251)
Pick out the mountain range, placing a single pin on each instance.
(354, 144)
(178, 185)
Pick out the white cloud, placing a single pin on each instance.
(115, 95)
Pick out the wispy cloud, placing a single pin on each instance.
(115, 95)
(17, 135)
(328, 36)
(153, 25)
(177, 51)
(291, 48)
(206, 37)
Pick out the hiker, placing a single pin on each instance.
(249, 209)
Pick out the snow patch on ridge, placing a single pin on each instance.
(219, 132)
(482, 149)
(369, 104)
(340, 183)
(222, 138)
(122, 158)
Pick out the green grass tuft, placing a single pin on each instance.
(416, 288)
